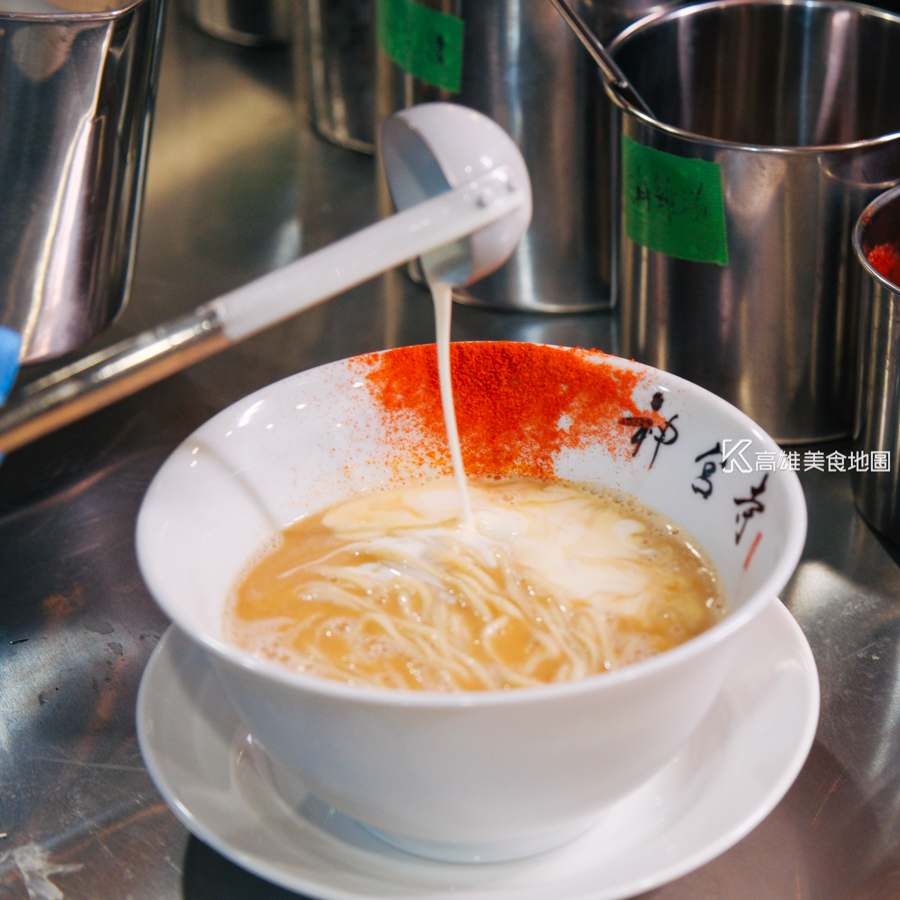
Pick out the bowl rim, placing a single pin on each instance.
(789, 557)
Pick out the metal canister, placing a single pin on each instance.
(777, 124)
(876, 433)
(76, 97)
(520, 64)
(334, 66)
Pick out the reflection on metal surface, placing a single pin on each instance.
(178, 160)
(76, 96)
(249, 22)
(844, 596)
(856, 634)
(75, 794)
(38, 871)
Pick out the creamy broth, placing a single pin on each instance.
(554, 582)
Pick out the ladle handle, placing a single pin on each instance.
(614, 76)
(96, 381)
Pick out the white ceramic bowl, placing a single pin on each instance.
(485, 775)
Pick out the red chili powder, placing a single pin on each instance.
(886, 261)
(516, 405)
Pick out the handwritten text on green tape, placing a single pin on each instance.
(422, 41)
(673, 205)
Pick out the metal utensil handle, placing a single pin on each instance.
(102, 378)
(614, 76)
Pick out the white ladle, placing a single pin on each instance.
(465, 200)
(433, 154)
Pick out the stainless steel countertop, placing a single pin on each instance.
(237, 185)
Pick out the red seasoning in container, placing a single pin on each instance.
(885, 259)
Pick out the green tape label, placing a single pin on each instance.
(674, 205)
(422, 41)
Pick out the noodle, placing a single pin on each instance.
(558, 582)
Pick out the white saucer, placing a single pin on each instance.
(734, 770)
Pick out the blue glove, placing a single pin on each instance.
(10, 345)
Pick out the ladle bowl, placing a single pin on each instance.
(435, 147)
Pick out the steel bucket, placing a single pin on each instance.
(779, 122)
(76, 97)
(876, 433)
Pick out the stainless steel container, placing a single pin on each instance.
(252, 23)
(521, 65)
(779, 122)
(76, 95)
(876, 480)
(334, 64)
